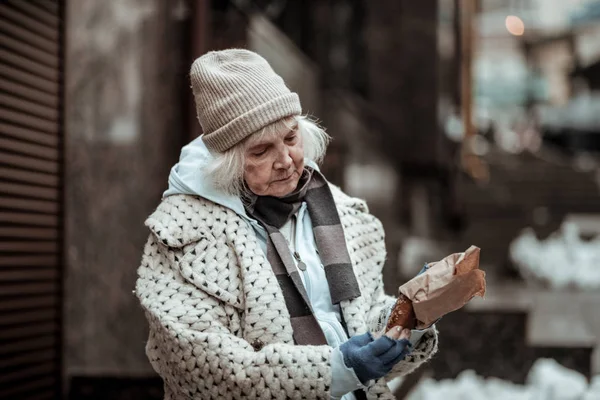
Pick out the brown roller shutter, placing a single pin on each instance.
(31, 198)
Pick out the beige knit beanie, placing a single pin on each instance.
(237, 93)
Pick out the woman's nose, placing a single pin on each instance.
(283, 161)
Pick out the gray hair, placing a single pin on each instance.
(227, 168)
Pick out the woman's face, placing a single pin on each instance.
(273, 165)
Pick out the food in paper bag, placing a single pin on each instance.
(402, 314)
(445, 286)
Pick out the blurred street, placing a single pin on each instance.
(460, 122)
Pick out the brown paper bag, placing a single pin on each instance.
(445, 286)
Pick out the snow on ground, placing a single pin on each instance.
(547, 380)
(562, 260)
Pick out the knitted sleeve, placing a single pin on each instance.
(196, 345)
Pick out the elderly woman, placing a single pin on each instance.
(259, 278)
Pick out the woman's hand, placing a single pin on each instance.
(373, 357)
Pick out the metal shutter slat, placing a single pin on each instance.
(29, 149)
(29, 191)
(39, 396)
(29, 177)
(28, 65)
(40, 42)
(30, 205)
(48, 5)
(36, 219)
(13, 391)
(28, 134)
(30, 23)
(19, 104)
(25, 289)
(28, 93)
(28, 50)
(42, 369)
(28, 261)
(27, 345)
(28, 303)
(29, 121)
(29, 247)
(38, 13)
(20, 318)
(24, 274)
(28, 331)
(29, 233)
(28, 162)
(28, 358)
(28, 219)
(28, 79)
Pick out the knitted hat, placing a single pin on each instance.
(237, 93)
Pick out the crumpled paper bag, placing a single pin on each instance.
(445, 286)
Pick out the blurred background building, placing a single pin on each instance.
(459, 121)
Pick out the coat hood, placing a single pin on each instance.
(186, 177)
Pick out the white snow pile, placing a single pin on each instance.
(547, 380)
(562, 260)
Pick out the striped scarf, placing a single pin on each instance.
(272, 213)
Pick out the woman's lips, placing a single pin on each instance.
(285, 179)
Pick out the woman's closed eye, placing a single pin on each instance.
(259, 151)
(292, 138)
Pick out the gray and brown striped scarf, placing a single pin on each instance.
(273, 213)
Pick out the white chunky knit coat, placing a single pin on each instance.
(219, 326)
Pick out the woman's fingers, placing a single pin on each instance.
(405, 334)
(394, 333)
(391, 351)
(398, 333)
(383, 345)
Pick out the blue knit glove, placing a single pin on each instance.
(373, 359)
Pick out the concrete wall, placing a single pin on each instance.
(297, 70)
(125, 75)
(403, 76)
